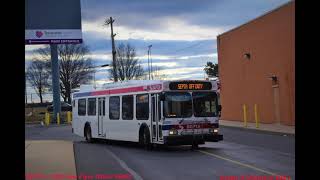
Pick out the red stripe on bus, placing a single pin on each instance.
(118, 91)
(127, 90)
(104, 92)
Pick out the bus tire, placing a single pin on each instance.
(88, 134)
(194, 146)
(145, 139)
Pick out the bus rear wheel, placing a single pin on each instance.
(87, 134)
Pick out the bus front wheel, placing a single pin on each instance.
(194, 146)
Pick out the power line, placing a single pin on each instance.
(178, 50)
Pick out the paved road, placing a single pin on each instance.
(242, 153)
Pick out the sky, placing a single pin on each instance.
(182, 32)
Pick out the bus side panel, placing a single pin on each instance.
(118, 130)
(77, 124)
(126, 130)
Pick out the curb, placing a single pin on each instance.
(259, 130)
(50, 125)
(33, 122)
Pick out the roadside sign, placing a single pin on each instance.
(52, 22)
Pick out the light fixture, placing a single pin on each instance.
(173, 132)
(273, 77)
(247, 55)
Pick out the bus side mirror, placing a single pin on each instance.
(161, 97)
(219, 107)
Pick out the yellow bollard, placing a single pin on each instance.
(58, 119)
(245, 115)
(69, 117)
(256, 115)
(45, 118)
(48, 119)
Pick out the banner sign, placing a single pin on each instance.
(49, 36)
(52, 22)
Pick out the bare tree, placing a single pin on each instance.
(38, 77)
(127, 65)
(75, 67)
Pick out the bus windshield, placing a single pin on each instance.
(177, 105)
(204, 104)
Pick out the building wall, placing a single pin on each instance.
(270, 40)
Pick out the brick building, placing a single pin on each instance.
(257, 66)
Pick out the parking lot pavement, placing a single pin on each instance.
(240, 154)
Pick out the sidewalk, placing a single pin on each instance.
(277, 128)
(48, 159)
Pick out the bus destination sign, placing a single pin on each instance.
(190, 85)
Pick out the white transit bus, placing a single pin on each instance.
(182, 112)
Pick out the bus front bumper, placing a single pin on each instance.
(213, 137)
(190, 139)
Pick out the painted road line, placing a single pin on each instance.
(238, 163)
(125, 166)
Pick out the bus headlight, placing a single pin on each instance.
(173, 132)
(213, 130)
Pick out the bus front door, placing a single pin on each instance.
(101, 115)
(156, 122)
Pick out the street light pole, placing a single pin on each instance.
(94, 79)
(149, 54)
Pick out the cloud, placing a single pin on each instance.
(151, 15)
(182, 32)
(162, 64)
(30, 48)
(100, 56)
(175, 29)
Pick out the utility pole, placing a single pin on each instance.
(151, 64)
(55, 81)
(115, 75)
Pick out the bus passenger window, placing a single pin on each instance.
(142, 107)
(92, 106)
(114, 108)
(82, 107)
(127, 107)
